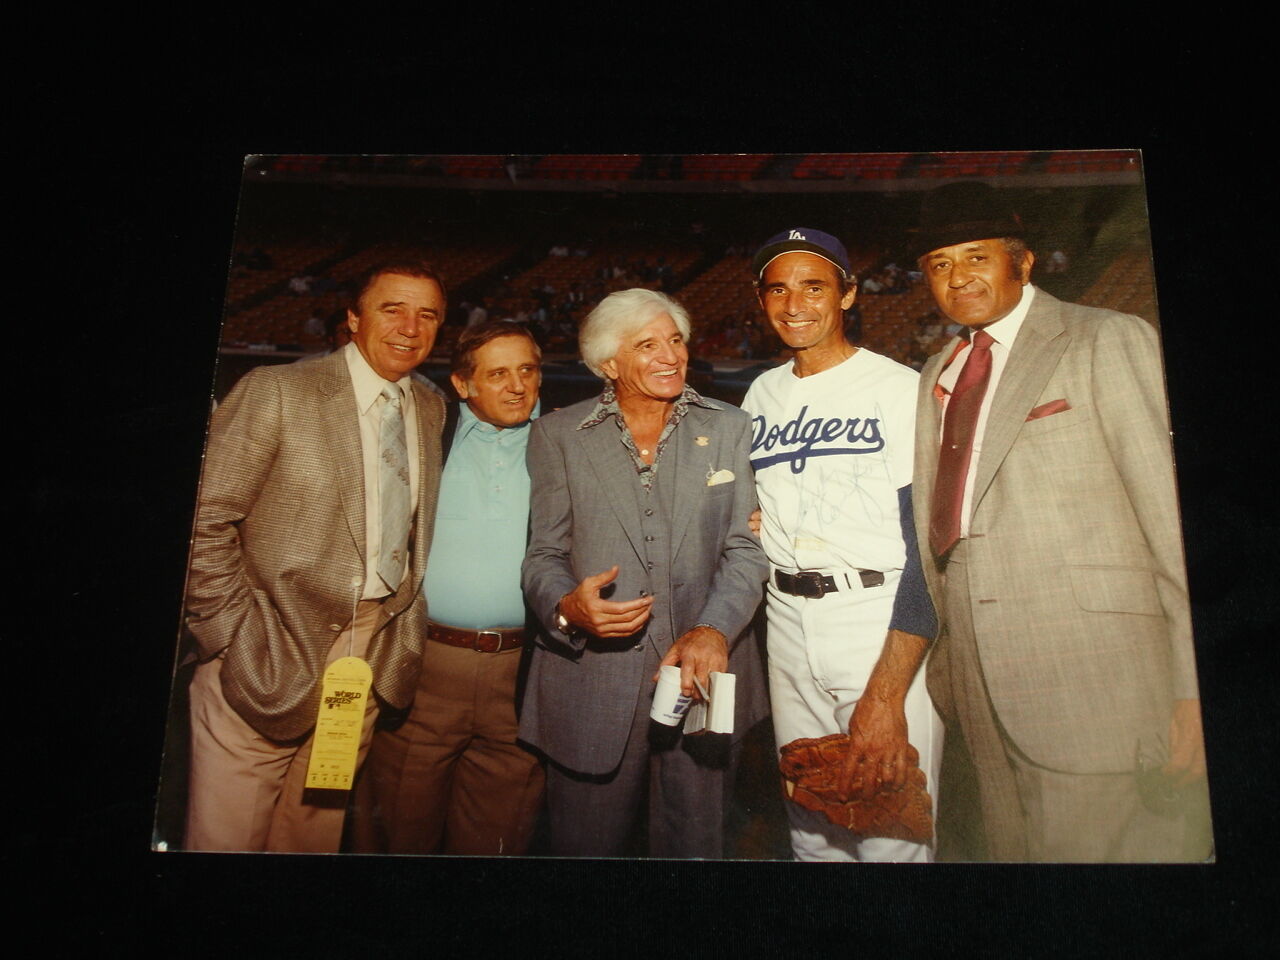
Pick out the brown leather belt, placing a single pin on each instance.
(482, 641)
(812, 584)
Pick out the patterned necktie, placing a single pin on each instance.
(957, 445)
(393, 489)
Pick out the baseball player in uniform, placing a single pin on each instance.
(849, 616)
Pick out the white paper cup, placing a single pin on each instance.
(669, 705)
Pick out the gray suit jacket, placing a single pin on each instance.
(1077, 579)
(280, 538)
(707, 567)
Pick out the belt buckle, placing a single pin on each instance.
(497, 641)
(811, 580)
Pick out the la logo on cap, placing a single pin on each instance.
(797, 235)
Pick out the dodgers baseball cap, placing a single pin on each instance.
(802, 238)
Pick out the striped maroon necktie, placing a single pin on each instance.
(958, 428)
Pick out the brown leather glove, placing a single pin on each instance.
(811, 769)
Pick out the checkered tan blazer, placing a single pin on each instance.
(280, 541)
(1077, 580)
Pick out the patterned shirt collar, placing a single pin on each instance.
(469, 423)
(366, 383)
(607, 406)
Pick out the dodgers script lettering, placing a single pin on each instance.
(795, 439)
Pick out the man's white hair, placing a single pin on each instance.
(618, 316)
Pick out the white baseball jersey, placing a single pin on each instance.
(830, 452)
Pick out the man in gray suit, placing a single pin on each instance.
(1047, 516)
(311, 538)
(640, 555)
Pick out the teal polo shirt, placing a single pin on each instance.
(482, 520)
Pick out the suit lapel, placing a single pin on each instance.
(689, 467)
(1035, 355)
(607, 457)
(341, 429)
(429, 469)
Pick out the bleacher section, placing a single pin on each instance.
(709, 167)
(474, 166)
(724, 167)
(646, 220)
(720, 296)
(848, 166)
(728, 323)
(283, 315)
(561, 166)
(892, 324)
(1127, 285)
(1090, 161)
(579, 282)
(287, 259)
(973, 164)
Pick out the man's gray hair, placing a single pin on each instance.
(618, 316)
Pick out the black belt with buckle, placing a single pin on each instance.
(482, 641)
(812, 583)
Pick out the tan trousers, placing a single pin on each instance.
(246, 791)
(451, 778)
(1033, 813)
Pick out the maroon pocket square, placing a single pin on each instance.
(1048, 409)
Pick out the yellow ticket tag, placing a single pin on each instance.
(344, 694)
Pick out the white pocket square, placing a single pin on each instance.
(720, 476)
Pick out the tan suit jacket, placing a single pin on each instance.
(278, 552)
(1076, 572)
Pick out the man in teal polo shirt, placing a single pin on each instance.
(448, 776)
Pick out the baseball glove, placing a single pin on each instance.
(811, 769)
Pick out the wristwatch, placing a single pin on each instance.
(563, 624)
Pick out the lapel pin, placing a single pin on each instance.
(701, 441)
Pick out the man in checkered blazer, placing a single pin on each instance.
(311, 541)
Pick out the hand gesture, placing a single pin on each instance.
(584, 608)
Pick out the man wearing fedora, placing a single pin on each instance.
(849, 617)
(1048, 520)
